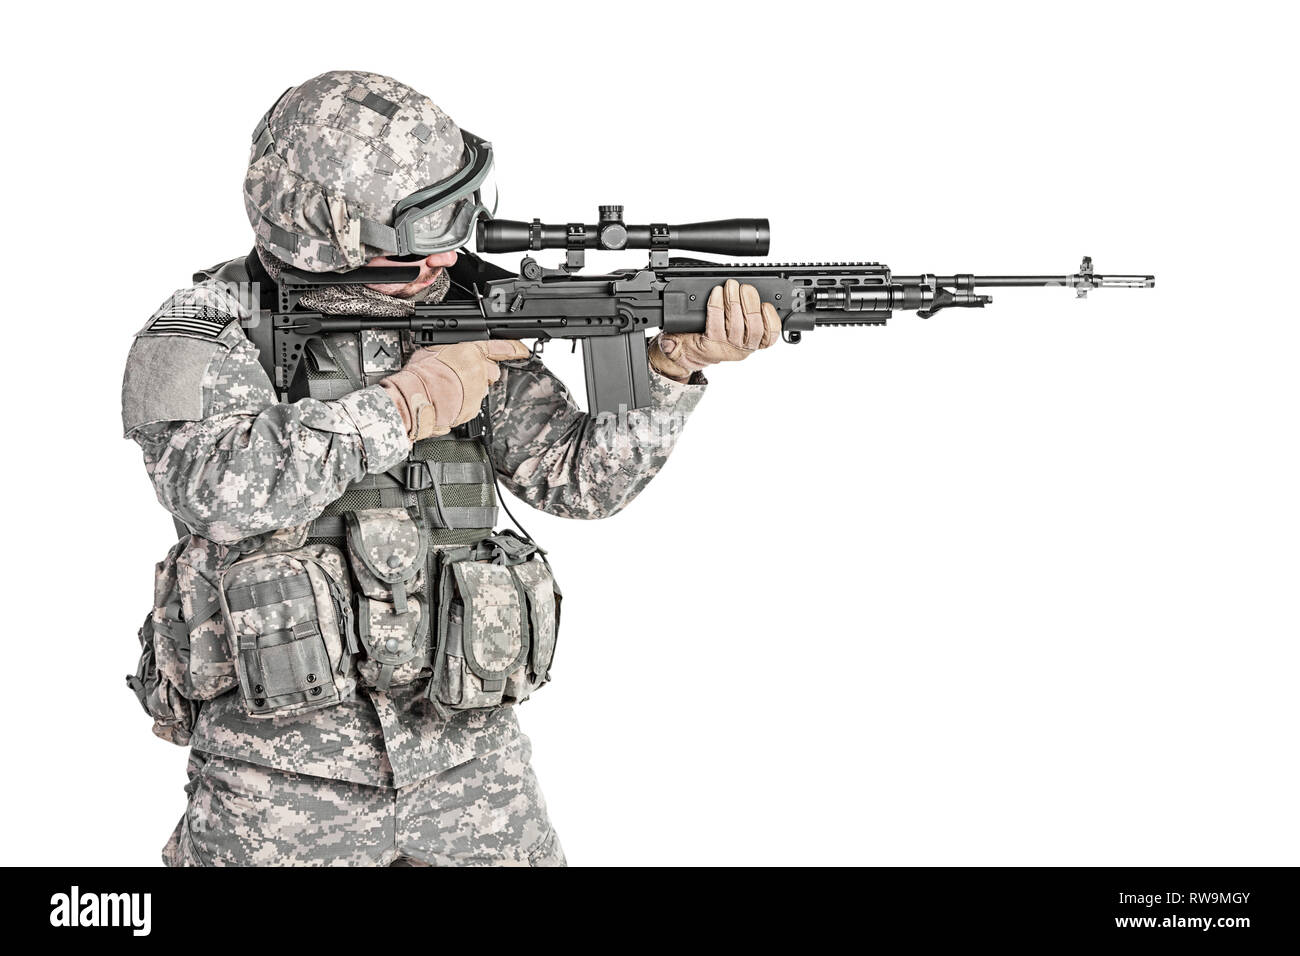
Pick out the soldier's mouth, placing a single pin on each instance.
(410, 288)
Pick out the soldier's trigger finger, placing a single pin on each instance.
(504, 350)
(752, 306)
(735, 314)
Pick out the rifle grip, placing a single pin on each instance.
(618, 372)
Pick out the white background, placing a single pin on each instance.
(1005, 587)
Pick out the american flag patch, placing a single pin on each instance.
(189, 319)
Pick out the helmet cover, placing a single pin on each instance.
(338, 150)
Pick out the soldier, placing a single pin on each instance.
(339, 635)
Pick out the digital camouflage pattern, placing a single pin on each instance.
(388, 548)
(543, 608)
(386, 545)
(381, 776)
(483, 659)
(240, 463)
(492, 616)
(186, 654)
(553, 455)
(186, 589)
(285, 612)
(235, 463)
(487, 811)
(343, 147)
(315, 668)
(397, 647)
(387, 738)
(381, 351)
(173, 713)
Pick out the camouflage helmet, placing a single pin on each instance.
(333, 158)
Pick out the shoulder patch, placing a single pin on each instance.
(173, 358)
(195, 320)
(165, 378)
(203, 312)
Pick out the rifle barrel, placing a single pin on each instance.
(1071, 281)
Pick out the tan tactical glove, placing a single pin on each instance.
(444, 385)
(737, 324)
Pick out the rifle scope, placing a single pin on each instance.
(727, 237)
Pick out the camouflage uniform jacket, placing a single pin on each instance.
(231, 461)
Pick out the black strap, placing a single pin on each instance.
(422, 475)
(328, 526)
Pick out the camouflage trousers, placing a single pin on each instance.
(487, 812)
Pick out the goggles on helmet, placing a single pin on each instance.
(441, 217)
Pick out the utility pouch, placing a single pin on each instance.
(543, 597)
(173, 714)
(185, 654)
(498, 612)
(387, 548)
(289, 614)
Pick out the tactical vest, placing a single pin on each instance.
(399, 579)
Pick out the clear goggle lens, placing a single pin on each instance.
(441, 230)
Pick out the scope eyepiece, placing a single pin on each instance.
(727, 237)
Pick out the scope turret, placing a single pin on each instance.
(727, 237)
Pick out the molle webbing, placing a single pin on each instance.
(454, 481)
(449, 479)
(264, 593)
(333, 530)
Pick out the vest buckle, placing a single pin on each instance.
(506, 547)
(416, 476)
(470, 429)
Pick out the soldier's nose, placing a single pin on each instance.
(440, 260)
